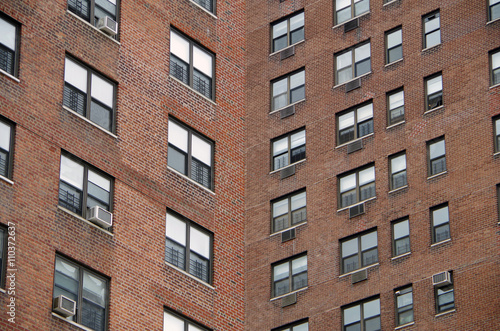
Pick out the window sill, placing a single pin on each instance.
(433, 110)
(5, 179)
(357, 203)
(441, 242)
(352, 19)
(189, 275)
(354, 140)
(284, 295)
(396, 124)
(496, 85)
(89, 121)
(342, 84)
(496, 154)
(72, 323)
(289, 46)
(9, 75)
(278, 170)
(398, 189)
(357, 270)
(393, 62)
(429, 48)
(93, 27)
(445, 313)
(493, 21)
(204, 9)
(292, 227)
(400, 256)
(437, 175)
(2, 290)
(404, 326)
(85, 221)
(389, 3)
(190, 180)
(192, 89)
(277, 110)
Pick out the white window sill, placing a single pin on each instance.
(284, 295)
(438, 175)
(494, 154)
(5, 179)
(396, 124)
(193, 90)
(357, 270)
(496, 85)
(429, 48)
(292, 227)
(400, 256)
(493, 21)
(389, 3)
(398, 189)
(290, 165)
(296, 102)
(433, 110)
(190, 180)
(289, 46)
(404, 325)
(93, 27)
(204, 9)
(89, 121)
(354, 140)
(445, 313)
(441, 242)
(85, 221)
(351, 19)
(189, 275)
(9, 75)
(393, 62)
(2, 290)
(357, 203)
(350, 80)
(72, 323)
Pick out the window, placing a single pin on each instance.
(89, 94)
(404, 305)
(398, 171)
(360, 56)
(188, 247)
(355, 123)
(357, 186)
(496, 128)
(192, 65)
(394, 45)
(290, 275)
(436, 156)
(82, 186)
(494, 10)
(433, 92)
(9, 45)
(289, 149)
(190, 153)
(289, 211)
(288, 31)
(93, 10)
(395, 107)
(495, 64)
(288, 90)
(295, 326)
(6, 148)
(209, 5)
(3, 254)
(88, 289)
(445, 297)
(401, 237)
(440, 223)
(432, 32)
(363, 316)
(175, 322)
(359, 251)
(347, 9)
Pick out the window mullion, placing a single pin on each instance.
(89, 94)
(85, 191)
(80, 296)
(290, 276)
(189, 154)
(360, 253)
(92, 11)
(353, 57)
(187, 256)
(191, 64)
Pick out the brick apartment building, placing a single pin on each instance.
(147, 184)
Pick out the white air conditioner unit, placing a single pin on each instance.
(100, 216)
(442, 278)
(64, 306)
(107, 25)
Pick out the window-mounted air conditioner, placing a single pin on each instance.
(442, 278)
(107, 25)
(356, 210)
(100, 216)
(64, 306)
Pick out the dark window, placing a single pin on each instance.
(397, 165)
(356, 186)
(404, 305)
(432, 29)
(362, 316)
(394, 45)
(288, 90)
(495, 65)
(440, 223)
(176, 322)
(347, 9)
(401, 237)
(208, 5)
(192, 65)
(359, 251)
(190, 153)
(433, 92)
(302, 325)
(436, 156)
(289, 149)
(494, 10)
(88, 289)
(288, 31)
(82, 186)
(289, 211)
(6, 148)
(496, 129)
(445, 296)
(355, 123)
(3, 254)
(188, 247)
(395, 107)
(289, 275)
(89, 94)
(93, 10)
(9, 45)
(352, 63)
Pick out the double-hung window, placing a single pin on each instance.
(289, 89)
(190, 153)
(394, 45)
(404, 305)
(288, 31)
(496, 129)
(362, 316)
(289, 275)
(176, 322)
(289, 149)
(82, 187)
(192, 64)
(289, 211)
(494, 10)
(89, 94)
(436, 156)
(352, 63)
(432, 29)
(87, 288)
(395, 107)
(93, 10)
(495, 65)
(400, 237)
(433, 92)
(188, 247)
(6, 148)
(356, 186)
(359, 251)
(9, 45)
(208, 5)
(347, 9)
(440, 223)
(357, 122)
(302, 325)
(445, 296)
(398, 171)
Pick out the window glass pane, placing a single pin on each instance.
(201, 150)
(361, 6)
(396, 100)
(191, 327)
(342, 4)
(434, 85)
(99, 180)
(347, 183)
(177, 136)
(297, 79)
(72, 172)
(362, 52)
(371, 308)
(492, 2)
(349, 247)
(433, 38)
(280, 207)
(298, 200)
(5, 136)
(398, 163)
(176, 229)
(298, 139)
(8, 35)
(202, 61)
(495, 59)
(102, 90)
(94, 289)
(405, 300)
(352, 314)
(369, 240)
(401, 229)
(344, 60)
(280, 29)
(299, 265)
(365, 112)
(366, 176)
(281, 271)
(280, 87)
(497, 125)
(199, 242)
(296, 21)
(440, 216)
(66, 269)
(75, 75)
(179, 46)
(394, 38)
(301, 327)
(346, 120)
(172, 323)
(437, 149)
(280, 146)
(432, 23)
